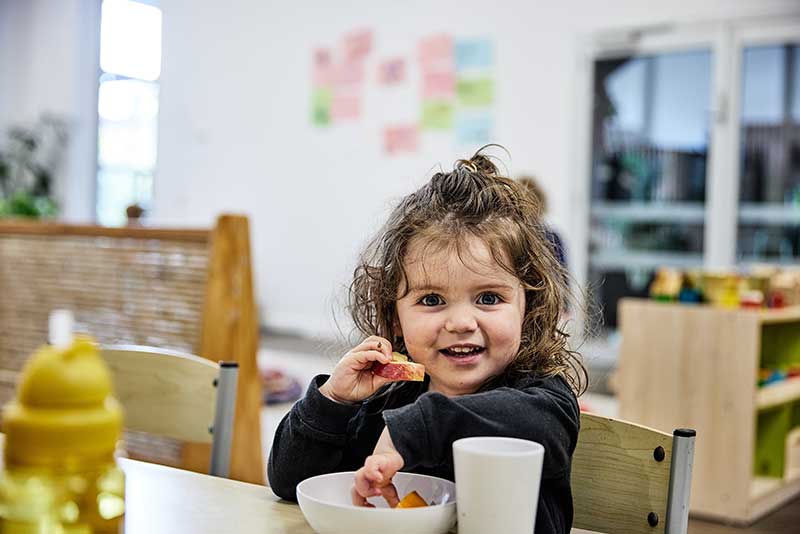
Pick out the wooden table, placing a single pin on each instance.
(161, 499)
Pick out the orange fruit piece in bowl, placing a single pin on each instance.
(412, 500)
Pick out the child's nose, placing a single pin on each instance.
(460, 320)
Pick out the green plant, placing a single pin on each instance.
(29, 161)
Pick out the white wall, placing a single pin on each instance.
(48, 63)
(234, 119)
(235, 132)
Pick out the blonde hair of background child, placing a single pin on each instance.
(534, 189)
(473, 200)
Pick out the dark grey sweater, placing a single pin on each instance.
(321, 436)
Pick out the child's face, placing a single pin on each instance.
(462, 318)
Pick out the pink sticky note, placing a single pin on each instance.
(348, 73)
(357, 44)
(399, 139)
(437, 85)
(436, 52)
(322, 57)
(345, 107)
(323, 68)
(392, 71)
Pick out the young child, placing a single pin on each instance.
(462, 280)
(552, 236)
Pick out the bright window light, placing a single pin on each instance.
(130, 39)
(121, 100)
(127, 107)
(127, 145)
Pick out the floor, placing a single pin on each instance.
(304, 358)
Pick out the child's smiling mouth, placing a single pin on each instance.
(463, 353)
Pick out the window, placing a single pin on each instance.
(694, 160)
(130, 61)
(769, 174)
(648, 176)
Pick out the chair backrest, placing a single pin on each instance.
(630, 479)
(178, 395)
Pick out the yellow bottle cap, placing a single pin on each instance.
(64, 414)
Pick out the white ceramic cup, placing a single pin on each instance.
(497, 484)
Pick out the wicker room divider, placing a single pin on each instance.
(188, 290)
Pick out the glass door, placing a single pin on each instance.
(650, 138)
(768, 225)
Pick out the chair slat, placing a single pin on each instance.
(616, 480)
(164, 392)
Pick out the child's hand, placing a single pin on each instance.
(352, 379)
(375, 478)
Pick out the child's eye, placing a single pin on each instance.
(431, 300)
(489, 299)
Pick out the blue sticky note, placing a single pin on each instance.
(474, 130)
(473, 54)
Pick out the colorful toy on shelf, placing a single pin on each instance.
(691, 291)
(666, 285)
(752, 298)
(784, 288)
(792, 370)
(721, 289)
(61, 431)
(763, 375)
(785, 372)
(776, 300)
(758, 279)
(771, 376)
(763, 286)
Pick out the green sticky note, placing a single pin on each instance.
(475, 92)
(437, 115)
(321, 107)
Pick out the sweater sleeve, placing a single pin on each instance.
(424, 432)
(309, 441)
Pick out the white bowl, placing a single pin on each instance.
(325, 502)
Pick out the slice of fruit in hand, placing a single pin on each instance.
(400, 369)
(412, 500)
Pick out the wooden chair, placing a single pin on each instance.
(182, 396)
(188, 290)
(630, 479)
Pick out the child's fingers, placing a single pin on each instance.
(362, 360)
(389, 493)
(373, 470)
(358, 500)
(364, 483)
(370, 478)
(375, 343)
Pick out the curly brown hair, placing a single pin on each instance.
(473, 200)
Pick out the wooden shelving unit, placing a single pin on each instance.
(779, 393)
(697, 366)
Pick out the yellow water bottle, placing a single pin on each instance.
(60, 474)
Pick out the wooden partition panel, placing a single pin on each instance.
(230, 332)
(141, 286)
